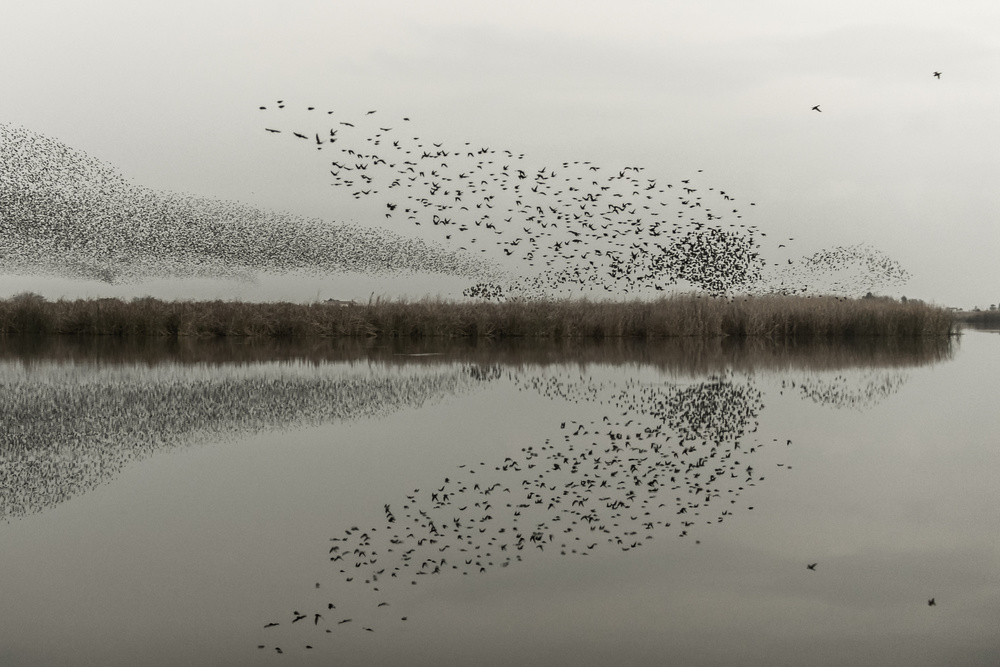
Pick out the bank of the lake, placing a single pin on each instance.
(671, 316)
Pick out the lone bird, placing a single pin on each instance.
(931, 603)
(812, 566)
(937, 75)
(816, 108)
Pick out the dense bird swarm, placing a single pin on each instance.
(67, 214)
(515, 228)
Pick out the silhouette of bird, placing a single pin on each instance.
(937, 75)
(816, 108)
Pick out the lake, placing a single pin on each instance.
(371, 503)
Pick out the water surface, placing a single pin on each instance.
(165, 502)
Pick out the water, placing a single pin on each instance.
(163, 502)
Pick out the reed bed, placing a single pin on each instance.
(682, 315)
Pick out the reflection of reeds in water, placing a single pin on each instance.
(684, 356)
(74, 409)
(979, 318)
(69, 427)
(678, 315)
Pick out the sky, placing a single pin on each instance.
(169, 94)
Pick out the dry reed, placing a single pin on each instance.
(672, 316)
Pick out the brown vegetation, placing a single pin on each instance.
(672, 316)
(689, 356)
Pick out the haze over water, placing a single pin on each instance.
(165, 502)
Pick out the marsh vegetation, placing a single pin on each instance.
(672, 316)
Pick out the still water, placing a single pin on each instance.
(225, 503)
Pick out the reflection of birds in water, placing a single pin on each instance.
(83, 442)
(859, 391)
(663, 459)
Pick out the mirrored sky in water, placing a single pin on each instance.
(206, 510)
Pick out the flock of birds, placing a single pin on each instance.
(65, 213)
(489, 215)
(569, 227)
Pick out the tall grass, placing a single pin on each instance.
(672, 316)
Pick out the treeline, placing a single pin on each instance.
(978, 317)
(671, 316)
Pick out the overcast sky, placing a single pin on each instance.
(168, 93)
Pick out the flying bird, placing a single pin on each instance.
(816, 108)
(937, 75)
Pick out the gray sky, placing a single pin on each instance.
(168, 93)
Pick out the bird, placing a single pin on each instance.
(816, 108)
(931, 603)
(812, 566)
(937, 75)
